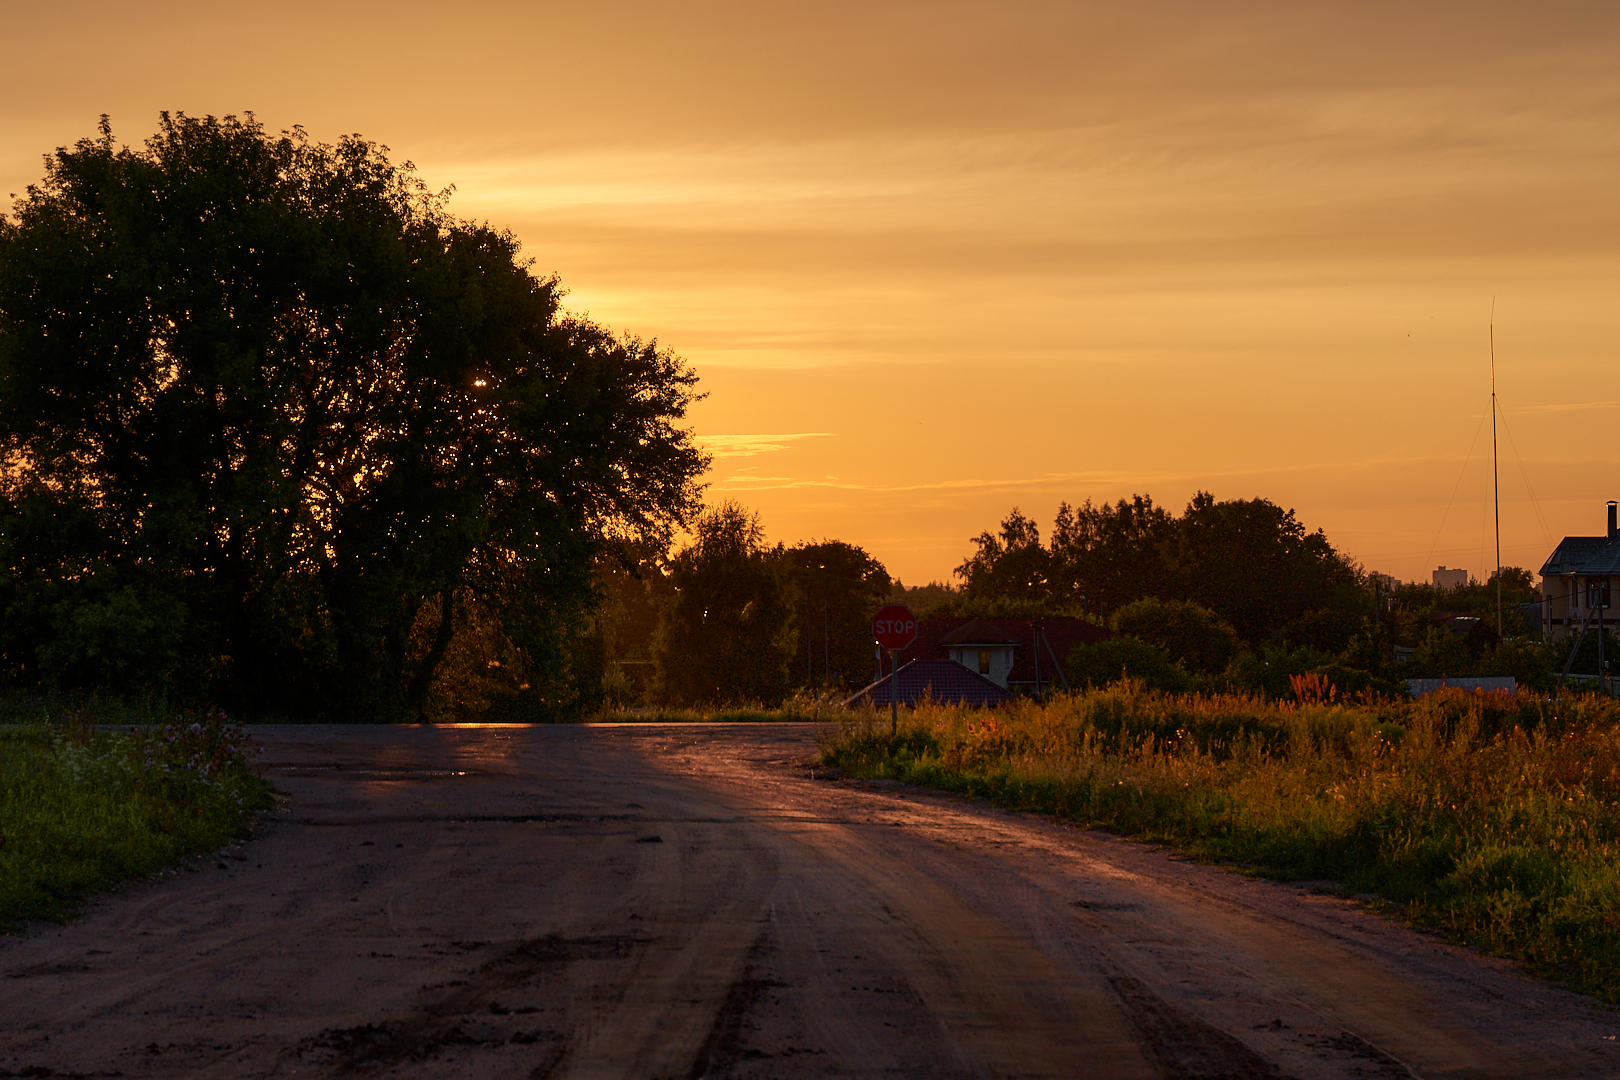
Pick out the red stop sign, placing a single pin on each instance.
(894, 626)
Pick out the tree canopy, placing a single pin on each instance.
(1247, 560)
(1192, 636)
(1009, 565)
(276, 428)
(839, 586)
(727, 633)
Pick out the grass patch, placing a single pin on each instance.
(79, 711)
(805, 706)
(83, 808)
(1496, 818)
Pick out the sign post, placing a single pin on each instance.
(894, 627)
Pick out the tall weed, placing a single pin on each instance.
(1494, 816)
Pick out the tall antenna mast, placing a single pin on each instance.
(1496, 484)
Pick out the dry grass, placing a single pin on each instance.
(1494, 817)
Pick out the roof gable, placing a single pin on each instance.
(943, 681)
(979, 632)
(1597, 555)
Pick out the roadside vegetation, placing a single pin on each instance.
(1493, 817)
(84, 806)
(804, 706)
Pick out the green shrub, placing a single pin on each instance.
(1194, 637)
(1123, 657)
(1327, 630)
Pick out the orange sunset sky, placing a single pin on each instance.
(932, 261)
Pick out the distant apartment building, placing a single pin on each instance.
(1578, 580)
(1447, 580)
(1387, 582)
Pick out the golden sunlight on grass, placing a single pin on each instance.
(1496, 818)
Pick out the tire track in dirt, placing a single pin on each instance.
(491, 903)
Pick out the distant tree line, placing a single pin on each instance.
(1232, 596)
(728, 617)
(1249, 561)
(1240, 596)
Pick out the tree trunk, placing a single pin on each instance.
(423, 679)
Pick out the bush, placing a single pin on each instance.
(1326, 631)
(1440, 653)
(1533, 663)
(1192, 636)
(1105, 663)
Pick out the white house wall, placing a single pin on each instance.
(1564, 604)
(1001, 660)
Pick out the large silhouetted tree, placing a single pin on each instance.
(1257, 566)
(276, 427)
(1103, 557)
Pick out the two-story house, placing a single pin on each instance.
(1579, 579)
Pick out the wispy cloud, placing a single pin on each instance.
(777, 483)
(1578, 406)
(1077, 481)
(739, 446)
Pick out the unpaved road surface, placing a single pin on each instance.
(688, 901)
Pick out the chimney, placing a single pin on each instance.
(1614, 530)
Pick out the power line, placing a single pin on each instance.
(1546, 533)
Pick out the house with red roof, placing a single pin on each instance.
(1015, 655)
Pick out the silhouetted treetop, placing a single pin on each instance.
(1247, 560)
(269, 391)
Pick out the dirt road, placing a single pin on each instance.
(689, 901)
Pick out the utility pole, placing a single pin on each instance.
(894, 691)
(826, 645)
(1035, 647)
(1603, 602)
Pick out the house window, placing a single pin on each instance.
(984, 661)
(1597, 592)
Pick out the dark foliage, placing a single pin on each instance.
(1121, 658)
(1248, 561)
(1193, 636)
(634, 589)
(1103, 557)
(1012, 565)
(1327, 630)
(279, 431)
(727, 629)
(839, 587)
(924, 599)
(1252, 562)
